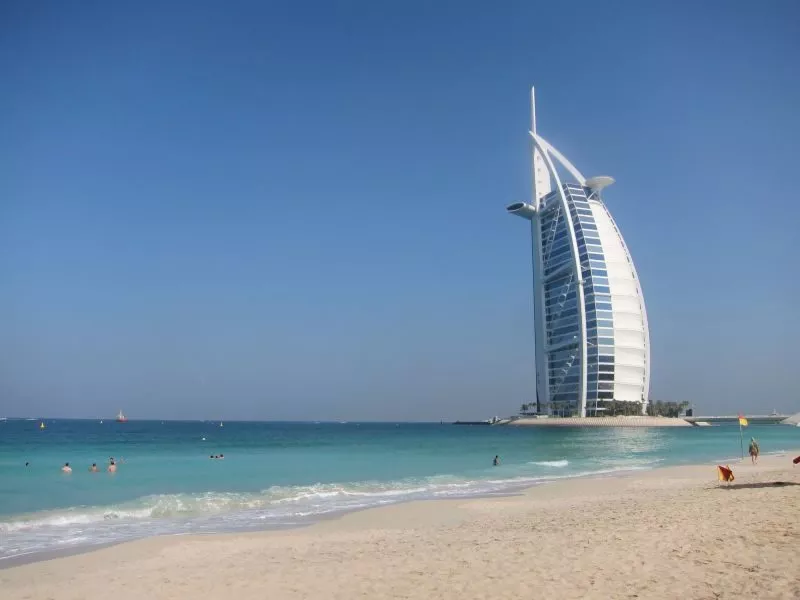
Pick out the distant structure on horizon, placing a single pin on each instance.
(592, 338)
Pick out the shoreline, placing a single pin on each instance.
(629, 421)
(510, 489)
(665, 498)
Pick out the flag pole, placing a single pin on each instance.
(741, 439)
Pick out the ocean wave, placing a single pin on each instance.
(746, 457)
(276, 506)
(551, 463)
(281, 500)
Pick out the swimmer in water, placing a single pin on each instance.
(66, 468)
(221, 456)
(112, 468)
(93, 468)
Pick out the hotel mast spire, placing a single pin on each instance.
(540, 176)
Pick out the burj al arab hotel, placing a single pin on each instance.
(592, 340)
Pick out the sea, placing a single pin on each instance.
(278, 475)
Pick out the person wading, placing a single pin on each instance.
(754, 450)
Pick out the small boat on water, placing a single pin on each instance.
(121, 418)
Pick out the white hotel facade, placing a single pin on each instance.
(592, 340)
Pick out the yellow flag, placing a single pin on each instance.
(742, 421)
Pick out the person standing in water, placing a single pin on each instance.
(112, 468)
(754, 450)
(496, 461)
(93, 468)
(66, 468)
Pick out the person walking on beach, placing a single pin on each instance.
(754, 450)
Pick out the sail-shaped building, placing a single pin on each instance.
(592, 340)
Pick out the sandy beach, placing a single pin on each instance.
(668, 533)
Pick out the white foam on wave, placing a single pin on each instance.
(559, 464)
(776, 453)
(746, 457)
(280, 506)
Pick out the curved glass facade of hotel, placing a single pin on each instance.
(592, 341)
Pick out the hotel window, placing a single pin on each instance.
(557, 256)
(561, 298)
(555, 313)
(557, 244)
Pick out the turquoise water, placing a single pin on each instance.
(288, 474)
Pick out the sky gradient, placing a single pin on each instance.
(250, 210)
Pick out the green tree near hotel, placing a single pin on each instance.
(614, 408)
(666, 409)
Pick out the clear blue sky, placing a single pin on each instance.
(296, 211)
